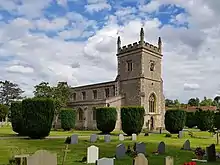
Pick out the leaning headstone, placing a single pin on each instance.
(42, 157)
(93, 138)
(120, 151)
(92, 154)
(169, 160)
(105, 161)
(161, 148)
(140, 159)
(211, 153)
(74, 139)
(121, 137)
(107, 138)
(134, 137)
(181, 133)
(140, 148)
(186, 145)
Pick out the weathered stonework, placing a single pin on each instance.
(138, 83)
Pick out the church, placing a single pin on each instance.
(138, 83)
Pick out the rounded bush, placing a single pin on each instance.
(38, 116)
(3, 111)
(106, 119)
(217, 120)
(175, 120)
(132, 119)
(190, 119)
(205, 120)
(17, 117)
(68, 118)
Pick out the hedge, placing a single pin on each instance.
(106, 119)
(68, 118)
(38, 116)
(191, 119)
(205, 120)
(17, 117)
(132, 119)
(217, 120)
(175, 120)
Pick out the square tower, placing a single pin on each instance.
(139, 78)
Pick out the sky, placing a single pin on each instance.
(75, 41)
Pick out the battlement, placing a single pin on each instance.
(137, 45)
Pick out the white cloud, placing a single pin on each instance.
(191, 86)
(19, 69)
(97, 5)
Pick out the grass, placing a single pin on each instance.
(78, 151)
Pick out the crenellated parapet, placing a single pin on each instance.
(136, 45)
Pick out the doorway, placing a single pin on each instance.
(151, 123)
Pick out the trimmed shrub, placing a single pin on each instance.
(3, 111)
(106, 119)
(175, 120)
(38, 116)
(17, 117)
(132, 119)
(190, 119)
(217, 120)
(205, 120)
(68, 118)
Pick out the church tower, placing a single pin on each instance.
(140, 79)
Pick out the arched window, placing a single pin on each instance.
(152, 103)
(80, 114)
(94, 113)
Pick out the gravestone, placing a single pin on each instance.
(121, 137)
(42, 157)
(161, 148)
(140, 148)
(169, 160)
(120, 151)
(211, 153)
(186, 145)
(93, 138)
(74, 139)
(180, 135)
(92, 154)
(134, 137)
(107, 138)
(105, 161)
(140, 159)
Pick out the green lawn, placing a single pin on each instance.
(78, 151)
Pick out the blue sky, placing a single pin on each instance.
(73, 40)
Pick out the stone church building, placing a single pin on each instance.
(138, 83)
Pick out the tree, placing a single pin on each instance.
(168, 102)
(3, 111)
(193, 102)
(43, 90)
(9, 92)
(175, 120)
(68, 118)
(205, 120)
(206, 102)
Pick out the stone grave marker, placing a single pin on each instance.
(140, 148)
(134, 137)
(92, 154)
(211, 153)
(93, 138)
(105, 161)
(181, 134)
(42, 157)
(121, 137)
(107, 138)
(74, 139)
(161, 148)
(186, 145)
(169, 160)
(140, 159)
(120, 151)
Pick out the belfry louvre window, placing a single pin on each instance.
(152, 103)
(74, 96)
(107, 92)
(129, 65)
(83, 95)
(94, 94)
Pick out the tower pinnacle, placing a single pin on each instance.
(159, 43)
(142, 36)
(118, 43)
